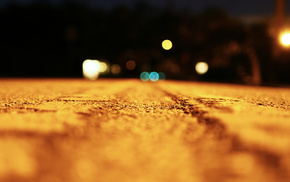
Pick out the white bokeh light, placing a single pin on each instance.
(201, 68)
(285, 39)
(91, 69)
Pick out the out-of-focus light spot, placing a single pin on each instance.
(154, 76)
(130, 65)
(285, 39)
(166, 44)
(115, 69)
(103, 67)
(144, 76)
(91, 69)
(233, 46)
(161, 76)
(201, 68)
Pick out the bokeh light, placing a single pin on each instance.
(201, 68)
(144, 76)
(91, 69)
(130, 65)
(103, 67)
(115, 69)
(161, 76)
(154, 76)
(285, 39)
(166, 44)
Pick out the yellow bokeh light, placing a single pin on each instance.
(103, 67)
(285, 39)
(91, 69)
(115, 69)
(201, 67)
(166, 44)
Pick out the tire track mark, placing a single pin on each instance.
(271, 162)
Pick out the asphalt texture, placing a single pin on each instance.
(74, 130)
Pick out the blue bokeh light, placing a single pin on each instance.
(144, 76)
(161, 76)
(154, 76)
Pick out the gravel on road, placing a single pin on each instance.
(76, 130)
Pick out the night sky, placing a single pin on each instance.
(234, 8)
(53, 41)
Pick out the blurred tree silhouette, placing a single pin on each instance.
(45, 40)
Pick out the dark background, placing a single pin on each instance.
(53, 38)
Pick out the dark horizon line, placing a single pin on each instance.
(132, 6)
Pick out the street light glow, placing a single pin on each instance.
(201, 68)
(285, 39)
(166, 44)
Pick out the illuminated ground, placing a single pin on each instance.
(128, 130)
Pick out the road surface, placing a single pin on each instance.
(74, 130)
